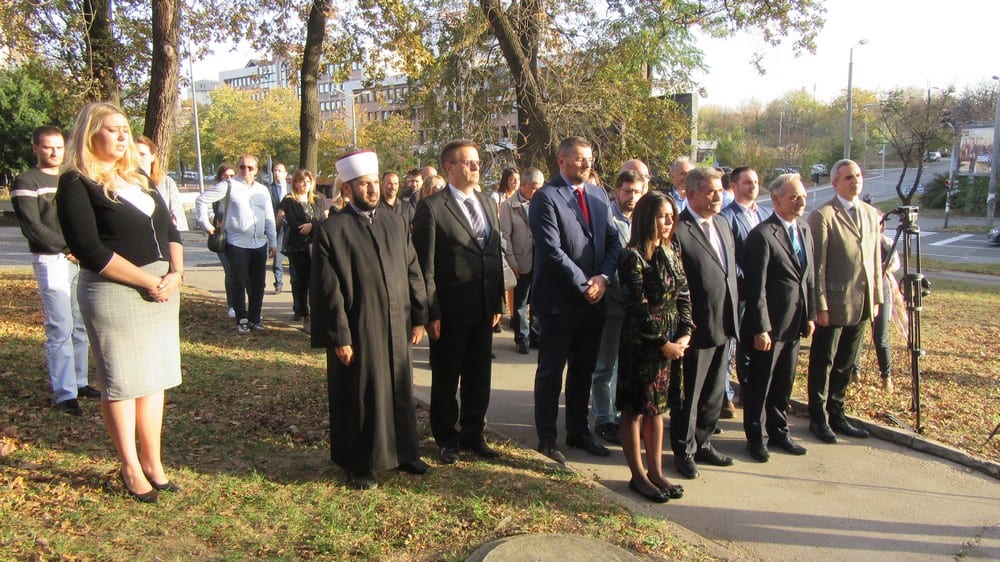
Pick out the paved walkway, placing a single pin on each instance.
(858, 500)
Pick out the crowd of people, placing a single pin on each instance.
(640, 302)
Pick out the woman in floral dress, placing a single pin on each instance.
(655, 334)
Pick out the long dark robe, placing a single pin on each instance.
(367, 291)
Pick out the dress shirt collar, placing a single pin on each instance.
(848, 205)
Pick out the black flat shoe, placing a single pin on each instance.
(168, 487)
(151, 496)
(657, 497)
(417, 467)
(361, 481)
(673, 491)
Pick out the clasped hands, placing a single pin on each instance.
(596, 286)
(165, 287)
(675, 350)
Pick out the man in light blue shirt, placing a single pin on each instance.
(250, 239)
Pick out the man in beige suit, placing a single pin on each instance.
(519, 250)
(847, 260)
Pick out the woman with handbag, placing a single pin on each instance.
(303, 211)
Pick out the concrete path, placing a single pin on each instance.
(857, 500)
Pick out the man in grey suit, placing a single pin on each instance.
(629, 187)
(519, 249)
(846, 236)
(742, 215)
(708, 254)
(780, 308)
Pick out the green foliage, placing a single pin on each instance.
(28, 100)
(393, 141)
(970, 195)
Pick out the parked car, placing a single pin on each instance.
(819, 169)
(994, 236)
(932, 156)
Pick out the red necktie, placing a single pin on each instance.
(582, 200)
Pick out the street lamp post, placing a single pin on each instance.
(994, 165)
(850, 73)
(354, 120)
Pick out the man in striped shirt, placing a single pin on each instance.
(56, 271)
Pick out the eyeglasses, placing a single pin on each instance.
(248, 168)
(467, 163)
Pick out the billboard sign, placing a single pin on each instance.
(975, 151)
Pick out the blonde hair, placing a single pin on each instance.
(80, 155)
(431, 186)
(301, 175)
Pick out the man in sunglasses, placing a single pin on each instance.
(250, 239)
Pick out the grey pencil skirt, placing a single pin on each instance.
(136, 343)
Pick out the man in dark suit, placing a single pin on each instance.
(708, 253)
(848, 268)
(780, 308)
(576, 252)
(457, 238)
(742, 215)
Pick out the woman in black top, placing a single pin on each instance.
(303, 210)
(133, 265)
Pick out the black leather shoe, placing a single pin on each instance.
(709, 455)
(686, 466)
(822, 432)
(482, 449)
(587, 443)
(673, 491)
(845, 427)
(88, 392)
(151, 496)
(168, 487)
(659, 496)
(787, 445)
(522, 348)
(71, 406)
(361, 481)
(498, 328)
(417, 467)
(448, 455)
(608, 432)
(551, 450)
(759, 452)
(533, 344)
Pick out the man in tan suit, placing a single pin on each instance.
(847, 260)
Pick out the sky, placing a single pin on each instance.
(919, 43)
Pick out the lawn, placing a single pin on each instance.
(246, 437)
(959, 373)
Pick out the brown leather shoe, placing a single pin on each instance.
(728, 411)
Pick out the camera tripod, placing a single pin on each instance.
(914, 287)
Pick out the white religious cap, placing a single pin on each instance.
(357, 164)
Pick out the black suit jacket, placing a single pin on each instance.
(780, 292)
(713, 289)
(464, 280)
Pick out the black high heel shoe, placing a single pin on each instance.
(673, 491)
(151, 496)
(168, 487)
(657, 497)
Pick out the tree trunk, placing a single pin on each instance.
(100, 52)
(309, 116)
(517, 32)
(164, 77)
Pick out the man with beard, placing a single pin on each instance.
(457, 236)
(576, 253)
(369, 306)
